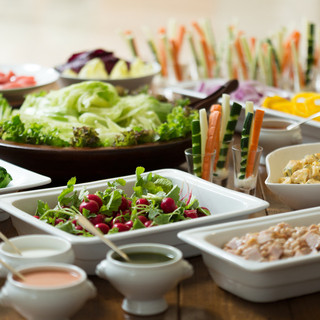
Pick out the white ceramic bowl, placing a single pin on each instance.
(225, 205)
(274, 135)
(147, 284)
(296, 196)
(127, 83)
(36, 248)
(252, 280)
(52, 302)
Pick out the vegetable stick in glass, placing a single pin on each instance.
(275, 55)
(230, 129)
(205, 49)
(213, 132)
(244, 144)
(270, 81)
(132, 43)
(203, 118)
(163, 57)
(225, 114)
(175, 60)
(180, 36)
(151, 43)
(217, 107)
(193, 50)
(207, 29)
(295, 37)
(310, 55)
(196, 147)
(296, 71)
(262, 64)
(241, 58)
(254, 141)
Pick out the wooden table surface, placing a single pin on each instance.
(197, 297)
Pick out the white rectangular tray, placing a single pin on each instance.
(224, 204)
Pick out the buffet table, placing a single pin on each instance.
(197, 297)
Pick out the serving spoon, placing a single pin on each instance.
(13, 270)
(7, 241)
(85, 223)
(297, 124)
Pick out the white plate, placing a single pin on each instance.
(224, 204)
(22, 178)
(43, 77)
(252, 280)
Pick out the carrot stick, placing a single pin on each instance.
(175, 60)
(253, 41)
(180, 37)
(287, 58)
(239, 50)
(213, 131)
(257, 123)
(205, 48)
(216, 107)
(162, 53)
(198, 29)
(206, 56)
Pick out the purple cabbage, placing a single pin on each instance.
(78, 60)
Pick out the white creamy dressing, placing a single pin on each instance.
(38, 252)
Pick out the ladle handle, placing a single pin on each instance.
(85, 223)
(14, 271)
(206, 103)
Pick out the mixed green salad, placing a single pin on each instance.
(154, 201)
(94, 114)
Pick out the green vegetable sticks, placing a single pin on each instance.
(196, 147)
(230, 128)
(244, 143)
(310, 56)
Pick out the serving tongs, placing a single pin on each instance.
(207, 102)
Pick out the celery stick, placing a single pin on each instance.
(203, 130)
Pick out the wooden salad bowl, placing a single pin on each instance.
(89, 164)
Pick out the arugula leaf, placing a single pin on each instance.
(42, 208)
(62, 198)
(174, 193)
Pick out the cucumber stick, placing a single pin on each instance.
(310, 56)
(244, 144)
(196, 147)
(230, 129)
(203, 118)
